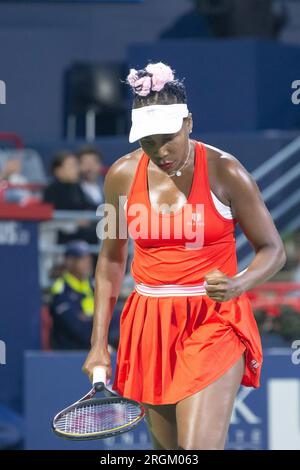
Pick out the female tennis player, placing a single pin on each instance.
(188, 336)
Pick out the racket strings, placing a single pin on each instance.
(98, 418)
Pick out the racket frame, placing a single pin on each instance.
(87, 400)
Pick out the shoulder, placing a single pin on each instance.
(221, 159)
(119, 177)
(230, 173)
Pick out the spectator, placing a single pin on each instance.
(91, 169)
(72, 300)
(10, 171)
(30, 165)
(65, 193)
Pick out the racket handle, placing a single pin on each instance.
(99, 375)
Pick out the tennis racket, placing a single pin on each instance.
(98, 417)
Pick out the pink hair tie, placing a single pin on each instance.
(142, 85)
(160, 75)
(132, 77)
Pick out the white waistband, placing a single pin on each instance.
(166, 290)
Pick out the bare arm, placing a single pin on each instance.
(257, 224)
(109, 274)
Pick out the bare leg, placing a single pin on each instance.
(161, 423)
(203, 418)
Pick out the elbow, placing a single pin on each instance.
(283, 257)
(277, 255)
(280, 256)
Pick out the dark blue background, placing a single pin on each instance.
(20, 303)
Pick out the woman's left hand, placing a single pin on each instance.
(220, 287)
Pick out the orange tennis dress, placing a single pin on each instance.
(174, 339)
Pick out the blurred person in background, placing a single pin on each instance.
(230, 18)
(72, 300)
(65, 193)
(10, 171)
(91, 174)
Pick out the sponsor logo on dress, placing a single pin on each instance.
(254, 365)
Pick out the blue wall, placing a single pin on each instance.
(20, 304)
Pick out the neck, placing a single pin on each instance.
(184, 165)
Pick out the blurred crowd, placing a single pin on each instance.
(77, 177)
(77, 180)
(77, 185)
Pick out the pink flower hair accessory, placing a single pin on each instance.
(141, 85)
(159, 75)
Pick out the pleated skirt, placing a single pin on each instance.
(171, 347)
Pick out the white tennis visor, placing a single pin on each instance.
(157, 119)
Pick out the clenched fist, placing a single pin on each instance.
(220, 287)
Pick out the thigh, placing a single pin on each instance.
(203, 418)
(161, 423)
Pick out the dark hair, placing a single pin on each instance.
(173, 92)
(60, 158)
(85, 149)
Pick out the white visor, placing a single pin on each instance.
(157, 119)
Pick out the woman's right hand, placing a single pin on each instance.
(98, 357)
